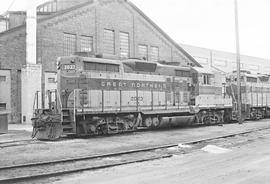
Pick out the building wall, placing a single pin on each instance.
(226, 61)
(13, 57)
(91, 20)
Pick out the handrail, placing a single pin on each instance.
(59, 99)
(34, 102)
(74, 105)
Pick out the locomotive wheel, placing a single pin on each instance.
(214, 119)
(122, 124)
(125, 126)
(102, 127)
(156, 122)
(206, 120)
(92, 129)
(148, 122)
(131, 124)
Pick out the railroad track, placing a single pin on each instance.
(14, 143)
(39, 170)
(23, 142)
(17, 143)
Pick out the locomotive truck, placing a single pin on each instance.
(97, 96)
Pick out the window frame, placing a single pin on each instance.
(206, 79)
(128, 45)
(84, 42)
(70, 40)
(146, 53)
(151, 58)
(106, 51)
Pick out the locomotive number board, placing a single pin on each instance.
(69, 67)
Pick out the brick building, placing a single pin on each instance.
(114, 28)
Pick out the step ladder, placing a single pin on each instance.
(67, 123)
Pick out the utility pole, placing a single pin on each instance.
(239, 101)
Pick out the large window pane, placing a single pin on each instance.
(124, 44)
(154, 54)
(143, 51)
(108, 42)
(69, 44)
(86, 43)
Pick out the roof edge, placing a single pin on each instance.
(132, 5)
(163, 32)
(48, 17)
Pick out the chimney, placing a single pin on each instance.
(31, 74)
(31, 32)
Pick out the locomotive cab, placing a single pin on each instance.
(209, 88)
(209, 95)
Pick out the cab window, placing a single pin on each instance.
(206, 79)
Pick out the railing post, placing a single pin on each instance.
(55, 99)
(37, 98)
(137, 101)
(120, 100)
(178, 100)
(166, 101)
(152, 100)
(102, 93)
(74, 105)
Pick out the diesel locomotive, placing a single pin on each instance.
(97, 96)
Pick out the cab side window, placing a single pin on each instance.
(206, 79)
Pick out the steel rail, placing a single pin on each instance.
(16, 141)
(62, 161)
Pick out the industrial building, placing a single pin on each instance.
(111, 28)
(226, 61)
